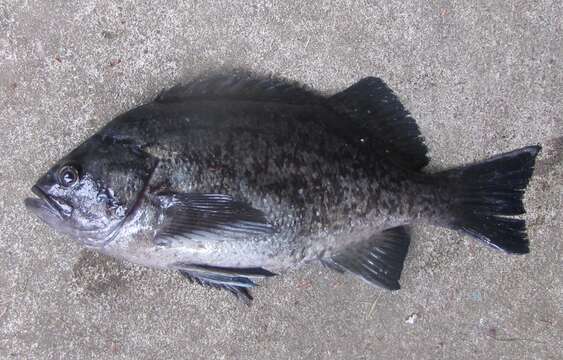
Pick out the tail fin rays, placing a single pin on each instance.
(485, 193)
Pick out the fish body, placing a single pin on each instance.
(231, 179)
(316, 189)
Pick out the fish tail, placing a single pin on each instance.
(484, 194)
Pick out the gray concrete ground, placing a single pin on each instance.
(480, 77)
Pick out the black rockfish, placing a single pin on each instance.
(235, 178)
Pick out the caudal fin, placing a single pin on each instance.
(485, 193)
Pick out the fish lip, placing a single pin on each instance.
(54, 214)
(44, 202)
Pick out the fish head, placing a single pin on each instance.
(89, 193)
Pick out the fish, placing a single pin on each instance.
(231, 179)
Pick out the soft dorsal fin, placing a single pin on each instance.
(240, 87)
(385, 125)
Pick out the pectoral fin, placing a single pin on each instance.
(203, 217)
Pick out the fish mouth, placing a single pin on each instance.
(58, 215)
(44, 203)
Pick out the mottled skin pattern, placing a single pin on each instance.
(232, 179)
(319, 191)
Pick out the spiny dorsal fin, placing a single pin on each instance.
(377, 260)
(241, 86)
(384, 123)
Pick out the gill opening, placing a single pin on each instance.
(133, 211)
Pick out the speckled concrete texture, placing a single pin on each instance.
(480, 77)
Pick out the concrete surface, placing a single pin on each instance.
(480, 79)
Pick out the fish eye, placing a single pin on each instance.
(68, 175)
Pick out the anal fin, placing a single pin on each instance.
(377, 260)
